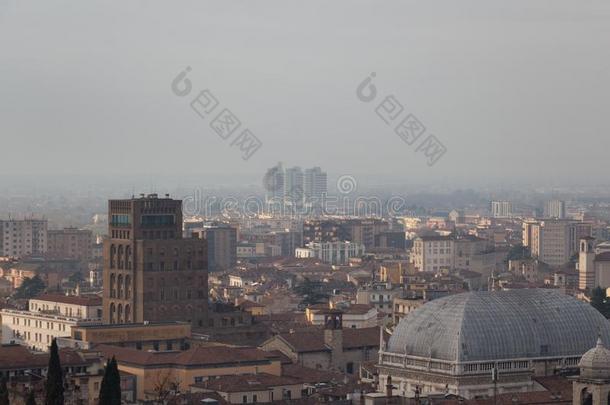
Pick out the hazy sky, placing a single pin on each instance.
(512, 89)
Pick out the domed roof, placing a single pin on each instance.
(479, 326)
(596, 362)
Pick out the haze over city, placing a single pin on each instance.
(301, 203)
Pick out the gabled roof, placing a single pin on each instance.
(313, 340)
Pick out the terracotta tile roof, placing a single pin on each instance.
(71, 299)
(310, 375)
(197, 356)
(20, 357)
(313, 340)
(247, 382)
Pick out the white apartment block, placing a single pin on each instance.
(432, 253)
(23, 237)
(501, 209)
(49, 317)
(555, 209)
(337, 253)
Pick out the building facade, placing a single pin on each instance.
(70, 243)
(222, 247)
(152, 273)
(23, 237)
(501, 209)
(49, 317)
(555, 209)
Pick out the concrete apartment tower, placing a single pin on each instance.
(151, 273)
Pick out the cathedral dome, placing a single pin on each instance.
(483, 325)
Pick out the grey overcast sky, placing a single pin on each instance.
(513, 89)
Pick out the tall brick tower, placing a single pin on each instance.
(151, 273)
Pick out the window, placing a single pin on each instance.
(254, 398)
(244, 399)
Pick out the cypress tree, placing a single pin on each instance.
(3, 393)
(110, 389)
(31, 398)
(55, 380)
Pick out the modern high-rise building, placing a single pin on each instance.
(152, 273)
(293, 184)
(291, 187)
(555, 209)
(555, 241)
(222, 247)
(315, 185)
(23, 237)
(501, 209)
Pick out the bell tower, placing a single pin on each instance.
(333, 338)
(586, 263)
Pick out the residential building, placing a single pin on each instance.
(70, 243)
(555, 241)
(337, 253)
(555, 209)
(222, 247)
(260, 388)
(26, 371)
(23, 237)
(193, 366)
(501, 209)
(49, 316)
(152, 273)
(315, 186)
(432, 253)
(332, 348)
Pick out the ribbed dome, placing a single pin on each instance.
(596, 362)
(479, 326)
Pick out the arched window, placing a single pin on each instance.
(112, 313)
(119, 313)
(128, 258)
(121, 257)
(127, 287)
(127, 313)
(112, 286)
(585, 397)
(120, 286)
(112, 256)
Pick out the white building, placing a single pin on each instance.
(431, 253)
(23, 237)
(501, 209)
(555, 209)
(355, 316)
(337, 253)
(49, 317)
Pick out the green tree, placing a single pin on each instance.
(31, 398)
(517, 252)
(3, 393)
(110, 389)
(54, 386)
(30, 288)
